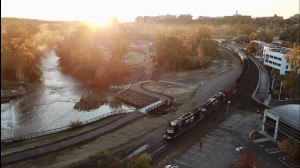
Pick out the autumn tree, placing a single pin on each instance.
(268, 35)
(19, 53)
(118, 44)
(186, 50)
(80, 56)
(292, 80)
(254, 36)
(252, 48)
(246, 160)
(142, 161)
(291, 147)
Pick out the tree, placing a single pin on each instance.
(19, 53)
(268, 35)
(254, 36)
(252, 48)
(291, 82)
(142, 161)
(118, 45)
(186, 50)
(108, 160)
(291, 147)
(246, 160)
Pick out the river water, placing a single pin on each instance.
(51, 104)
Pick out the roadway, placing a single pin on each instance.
(137, 86)
(214, 85)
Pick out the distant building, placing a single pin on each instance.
(185, 17)
(167, 17)
(209, 18)
(275, 57)
(237, 18)
(149, 19)
(269, 19)
(282, 122)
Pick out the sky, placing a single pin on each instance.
(126, 10)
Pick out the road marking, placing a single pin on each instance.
(218, 139)
(182, 163)
(196, 154)
(224, 127)
(219, 130)
(205, 149)
(191, 158)
(215, 142)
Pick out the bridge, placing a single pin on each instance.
(152, 106)
(141, 97)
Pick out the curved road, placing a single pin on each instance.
(213, 86)
(137, 86)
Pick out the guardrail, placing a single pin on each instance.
(60, 129)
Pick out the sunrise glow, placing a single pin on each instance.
(99, 12)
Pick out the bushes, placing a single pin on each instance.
(75, 124)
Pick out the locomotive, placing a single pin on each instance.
(186, 121)
(189, 119)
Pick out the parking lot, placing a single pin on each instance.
(221, 147)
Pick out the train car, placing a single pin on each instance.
(230, 90)
(189, 119)
(183, 122)
(213, 103)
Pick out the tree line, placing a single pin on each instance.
(81, 56)
(19, 52)
(178, 50)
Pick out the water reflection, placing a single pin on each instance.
(51, 104)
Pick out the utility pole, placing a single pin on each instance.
(280, 90)
(272, 87)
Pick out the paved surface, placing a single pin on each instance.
(220, 144)
(263, 83)
(213, 86)
(69, 142)
(137, 86)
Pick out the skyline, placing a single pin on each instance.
(126, 11)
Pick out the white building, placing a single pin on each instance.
(282, 122)
(275, 58)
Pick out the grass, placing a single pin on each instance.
(75, 124)
(256, 135)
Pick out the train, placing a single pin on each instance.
(187, 120)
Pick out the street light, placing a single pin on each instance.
(228, 106)
(286, 99)
(280, 90)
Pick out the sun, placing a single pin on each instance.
(104, 22)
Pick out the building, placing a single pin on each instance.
(275, 58)
(185, 17)
(282, 122)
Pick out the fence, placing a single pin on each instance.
(56, 130)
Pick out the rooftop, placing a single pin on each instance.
(289, 113)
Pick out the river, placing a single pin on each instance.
(51, 104)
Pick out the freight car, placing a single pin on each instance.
(186, 121)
